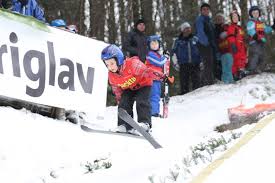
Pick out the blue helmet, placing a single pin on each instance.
(112, 51)
(153, 38)
(58, 23)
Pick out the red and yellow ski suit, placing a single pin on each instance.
(132, 75)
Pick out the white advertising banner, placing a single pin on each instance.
(49, 66)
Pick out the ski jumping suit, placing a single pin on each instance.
(237, 47)
(226, 56)
(133, 83)
(156, 62)
(256, 31)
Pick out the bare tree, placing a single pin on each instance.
(112, 26)
(244, 12)
(147, 12)
(97, 18)
(122, 18)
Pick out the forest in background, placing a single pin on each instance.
(111, 20)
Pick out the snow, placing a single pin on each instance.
(37, 149)
(253, 161)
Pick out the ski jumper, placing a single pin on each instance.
(132, 83)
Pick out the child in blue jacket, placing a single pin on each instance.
(156, 61)
(257, 31)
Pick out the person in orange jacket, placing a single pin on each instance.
(131, 81)
(236, 41)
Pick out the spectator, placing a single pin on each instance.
(72, 28)
(131, 82)
(257, 31)
(136, 41)
(156, 61)
(219, 23)
(7, 4)
(186, 58)
(226, 55)
(28, 8)
(207, 43)
(237, 46)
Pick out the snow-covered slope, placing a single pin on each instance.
(36, 149)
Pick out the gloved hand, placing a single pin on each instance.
(273, 26)
(158, 75)
(255, 37)
(218, 56)
(166, 54)
(201, 66)
(175, 62)
(234, 48)
(176, 67)
(168, 79)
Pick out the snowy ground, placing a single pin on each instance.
(37, 149)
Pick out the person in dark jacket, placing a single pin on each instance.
(28, 8)
(136, 42)
(219, 24)
(205, 31)
(186, 58)
(7, 4)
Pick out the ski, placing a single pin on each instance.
(86, 128)
(166, 98)
(128, 119)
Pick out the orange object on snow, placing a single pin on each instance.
(240, 113)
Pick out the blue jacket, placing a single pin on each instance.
(156, 59)
(186, 49)
(31, 9)
(205, 31)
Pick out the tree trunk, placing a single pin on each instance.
(122, 22)
(147, 13)
(244, 13)
(97, 18)
(136, 9)
(112, 27)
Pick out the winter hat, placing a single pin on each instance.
(139, 21)
(205, 5)
(6, 4)
(220, 15)
(184, 26)
(234, 12)
(254, 8)
(23, 2)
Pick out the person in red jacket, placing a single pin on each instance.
(236, 40)
(131, 81)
